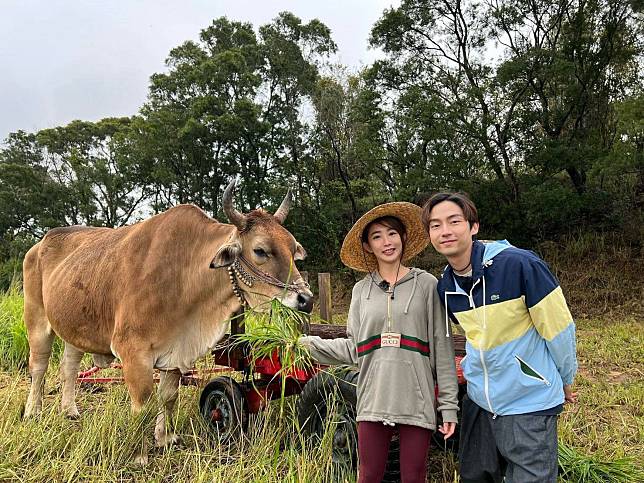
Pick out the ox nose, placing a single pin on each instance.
(304, 303)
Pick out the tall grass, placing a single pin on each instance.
(100, 446)
(578, 467)
(14, 348)
(14, 345)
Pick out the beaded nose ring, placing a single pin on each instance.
(242, 274)
(234, 272)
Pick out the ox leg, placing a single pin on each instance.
(41, 338)
(68, 374)
(139, 378)
(168, 391)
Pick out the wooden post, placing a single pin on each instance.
(324, 284)
(237, 322)
(306, 329)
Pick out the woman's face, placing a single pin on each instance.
(385, 243)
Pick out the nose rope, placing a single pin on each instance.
(237, 272)
(257, 274)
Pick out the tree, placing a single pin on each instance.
(93, 161)
(32, 201)
(229, 105)
(536, 110)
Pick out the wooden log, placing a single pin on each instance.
(328, 331)
(324, 284)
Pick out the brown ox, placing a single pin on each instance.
(148, 294)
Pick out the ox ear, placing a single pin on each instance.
(227, 254)
(300, 252)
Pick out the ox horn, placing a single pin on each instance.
(282, 211)
(235, 217)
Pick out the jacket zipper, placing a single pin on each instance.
(486, 383)
(543, 379)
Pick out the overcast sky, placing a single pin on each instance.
(88, 59)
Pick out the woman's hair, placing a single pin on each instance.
(390, 222)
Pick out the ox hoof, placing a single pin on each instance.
(31, 412)
(141, 460)
(72, 415)
(71, 412)
(167, 440)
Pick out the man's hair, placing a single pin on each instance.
(461, 199)
(389, 221)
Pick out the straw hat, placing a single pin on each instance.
(354, 256)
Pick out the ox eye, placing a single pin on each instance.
(260, 252)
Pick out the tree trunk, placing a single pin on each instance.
(578, 179)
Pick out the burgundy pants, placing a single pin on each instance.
(373, 448)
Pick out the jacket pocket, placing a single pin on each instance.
(529, 371)
(462, 363)
(392, 388)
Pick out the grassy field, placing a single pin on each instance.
(606, 426)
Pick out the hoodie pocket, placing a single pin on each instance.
(529, 371)
(392, 388)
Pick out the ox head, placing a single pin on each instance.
(265, 253)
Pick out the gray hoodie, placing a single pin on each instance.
(397, 384)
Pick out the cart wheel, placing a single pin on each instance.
(328, 402)
(222, 405)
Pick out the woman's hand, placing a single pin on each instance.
(447, 429)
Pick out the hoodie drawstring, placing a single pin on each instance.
(486, 264)
(413, 290)
(369, 292)
(484, 318)
(446, 318)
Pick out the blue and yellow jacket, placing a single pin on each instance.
(520, 334)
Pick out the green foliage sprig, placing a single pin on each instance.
(276, 330)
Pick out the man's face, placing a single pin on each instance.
(449, 231)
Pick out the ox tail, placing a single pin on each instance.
(39, 330)
(32, 276)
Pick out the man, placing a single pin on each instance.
(520, 361)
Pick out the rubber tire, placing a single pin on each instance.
(312, 417)
(225, 394)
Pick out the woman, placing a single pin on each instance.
(398, 338)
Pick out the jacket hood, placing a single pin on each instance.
(482, 255)
(492, 249)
